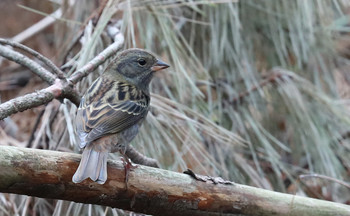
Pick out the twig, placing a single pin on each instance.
(94, 16)
(28, 63)
(98, 60)
(37, 122)
(28, 101)
(272, 79)
(42, 58)
(139, 158)
(59, 88)
(344, 136)
(301, 177)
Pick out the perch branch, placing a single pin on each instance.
(48, 174)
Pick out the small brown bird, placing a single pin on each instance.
(112, 110)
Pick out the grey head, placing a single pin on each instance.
(135, 66)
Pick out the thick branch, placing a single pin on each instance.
(154, 191)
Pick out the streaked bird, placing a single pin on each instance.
(112, 110)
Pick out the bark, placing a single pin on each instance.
(154, 191)
(25, 102)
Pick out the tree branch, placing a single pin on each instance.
(25, 102)
(28, 63)
(154, 191)
(66, 87)
(59, 89)
(98, 60)
(42, 58)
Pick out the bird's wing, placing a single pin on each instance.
(113, 113)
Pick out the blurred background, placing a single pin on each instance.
(257, 93)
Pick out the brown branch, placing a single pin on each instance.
(42, 58)
(48, 174)
(28, 63)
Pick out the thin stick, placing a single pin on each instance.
(326, 178)
(28, 63)
(272, 79)
(36, 54)
(98, 60)
(36, 125)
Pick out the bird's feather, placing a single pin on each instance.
(122, 107)
(93, 165)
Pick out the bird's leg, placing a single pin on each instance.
(127, 166)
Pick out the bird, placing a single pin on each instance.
(112, 110)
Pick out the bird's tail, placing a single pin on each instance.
(93, 165)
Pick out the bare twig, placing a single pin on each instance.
(42, 58)
(153, 191)
(28, 101)
(98, 60)
(37, 122)
(301, 177)
(271, 79)
(28, 63)
(62, 88)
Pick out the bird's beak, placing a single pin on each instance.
(159, 65)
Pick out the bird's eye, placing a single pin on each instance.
(141, 61)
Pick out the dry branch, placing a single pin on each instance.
(154, 191)
(34, 53)
(59, 89)
(25, 102)
(28, 63)
(63, 88)
(98, 60)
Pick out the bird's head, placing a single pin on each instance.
(136, 66)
